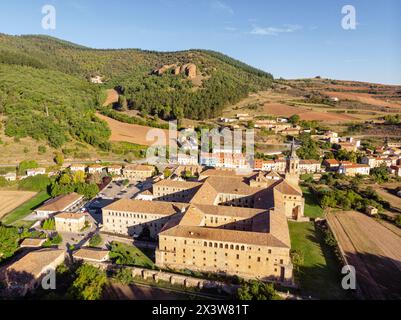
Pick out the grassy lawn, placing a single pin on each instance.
(130, 255)
(26, 208)
(319, 276)
(312, 208)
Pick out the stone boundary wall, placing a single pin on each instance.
(172, 278)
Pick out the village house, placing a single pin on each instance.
(11, 176)
(77, 167)
(35, 172)
(63, 203)
(332, 137)
(375, 162)
(232, 161)
(96, 169)
(91, 255)
(115, 170)
(227, 150)
(187, 160)
(33, 242)
(26, 274)
(372, 211)
(70, 222)
(227, 120)
(354, 169)
(138, 172)
(310, 166)
(208, 160)
(270, 165)
(292, 131)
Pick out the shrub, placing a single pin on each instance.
(96, 240)
(124, 276)
(49, 224)
(256, 290)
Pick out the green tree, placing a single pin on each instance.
(257, 290)
(49, 224)
(96, 240)
(167, 173)
(65, 179)
(309, 148)
(122, 102)
(25, 165)
(88, 284)
(9, 238)
(79, 177)
(124, 276)
(380, 174)
(59, 159)
(294, 119)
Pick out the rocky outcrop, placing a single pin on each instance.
(189, 69)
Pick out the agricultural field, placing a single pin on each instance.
(24, 208)
(308, 114)
(358, 102)
(373, 249)
(10, 200)
(125, 132)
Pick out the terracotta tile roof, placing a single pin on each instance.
(177, 184)
(222, 173)
(205, 195)
(224, 235)
(357, 165)
(33, 263)
(309, 162)
(60, 203)
(229, 211)
(32, 243)
(192, 217)
(139, 167)
(153, 207)
(285, 188)
(332, 161)
(70, 216)
(91, 254)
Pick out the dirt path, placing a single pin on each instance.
(112, 97)
(373, 249)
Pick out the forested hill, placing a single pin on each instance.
(47, 78)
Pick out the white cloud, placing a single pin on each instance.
(274, 31)
(221, 6)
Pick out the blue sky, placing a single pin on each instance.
(289, 38)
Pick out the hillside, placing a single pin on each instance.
(45, 92)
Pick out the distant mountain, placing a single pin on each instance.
(47, 79)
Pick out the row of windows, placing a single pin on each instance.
(222, 246)
(133, 215)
